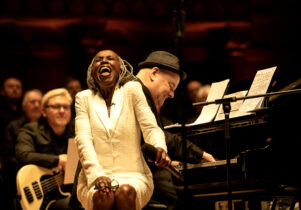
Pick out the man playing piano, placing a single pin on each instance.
(159, 75)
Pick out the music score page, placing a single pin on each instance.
(209, 112)
(259, 85)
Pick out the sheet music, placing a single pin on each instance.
(72, 161)
(234, 112)
(208, 113)
(259, 85)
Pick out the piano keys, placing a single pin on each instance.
(208, 164)
(249, 166)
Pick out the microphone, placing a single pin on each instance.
(151, 153)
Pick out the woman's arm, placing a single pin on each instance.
(152, 133)
(84, 140)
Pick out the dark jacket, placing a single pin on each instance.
(173, 141)
(165, 191)
(37, 144)
(10, 137)
(7, 114)
(10, 165)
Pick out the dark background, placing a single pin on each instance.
(44, 41)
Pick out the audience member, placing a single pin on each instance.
(202, 96)
(44, 143)
(109, 116)
(159, 76)
(192, 88)
(11, 91)
(10, 108)
(74, 86)
(10, 102)
(31, 107)
(203, 93)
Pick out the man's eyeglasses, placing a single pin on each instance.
(58, 106)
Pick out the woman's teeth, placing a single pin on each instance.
(105, 71)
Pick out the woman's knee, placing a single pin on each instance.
(125, 191)
(103, 200)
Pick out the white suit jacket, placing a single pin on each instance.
(111, 146)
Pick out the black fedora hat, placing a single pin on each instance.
(163, 59)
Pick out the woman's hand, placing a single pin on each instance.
(103, 183)
(162, 159)
(103, 198)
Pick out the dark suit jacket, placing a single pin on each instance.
(10, 137)
(37, 144)
(173, 141)
(165, 191)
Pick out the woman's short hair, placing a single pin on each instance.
(55, 92)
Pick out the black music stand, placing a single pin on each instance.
(179, 26)
(227, 108)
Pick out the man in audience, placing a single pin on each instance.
(192, 88)
(202, 96)
(74, 86)
(44, 143)
(31, 107)
(10, 101)
(10, 108)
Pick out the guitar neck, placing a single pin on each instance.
(52, 182)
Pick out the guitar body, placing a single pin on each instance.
(39, 187)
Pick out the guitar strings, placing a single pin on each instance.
(52, 183)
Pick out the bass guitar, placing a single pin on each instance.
(39, 187)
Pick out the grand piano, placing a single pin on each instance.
(263, 151)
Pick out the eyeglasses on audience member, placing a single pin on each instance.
(58, 106)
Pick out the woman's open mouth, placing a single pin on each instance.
(105, 71)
